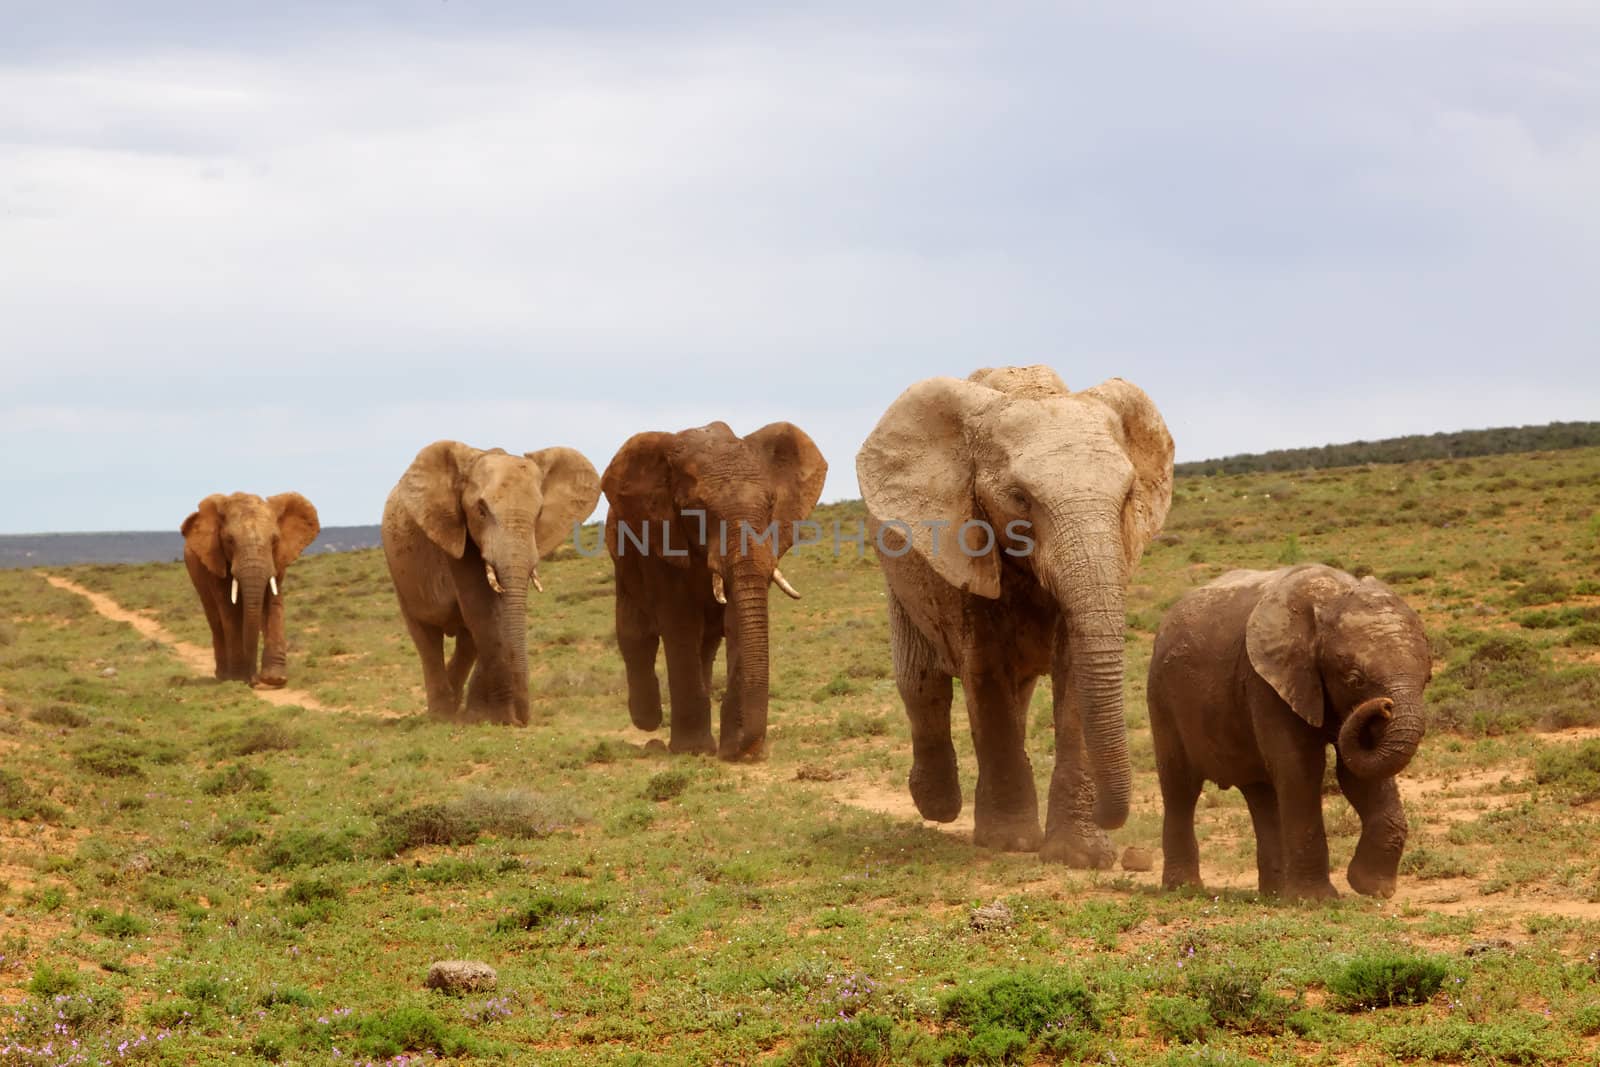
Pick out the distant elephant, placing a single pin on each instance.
(237, 550)
(1252, 677)
(688, 534)
(1008, 513)
(463, 532)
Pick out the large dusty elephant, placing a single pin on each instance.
(237, 550)
(689, 538)
(1252, 677)
(1058, 493)
(463, 531)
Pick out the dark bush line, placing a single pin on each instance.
(1459, 445)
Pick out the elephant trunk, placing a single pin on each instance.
(515, 629)
(514, 569)
(1381, 735)
(1087, 576)
(747, 614)
(251, 575)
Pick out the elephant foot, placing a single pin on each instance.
(1174, 876)
(268, 681)
(1090, 851)
(1311, 891)
(936, 788)
(749, 752)
(1008, 836)
(645, 713)
(693, 744)
(1367, 883)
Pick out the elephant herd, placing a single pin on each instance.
(1007, 513)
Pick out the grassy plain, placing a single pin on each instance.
(191, 875)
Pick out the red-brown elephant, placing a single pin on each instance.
(238, 549)
(687, 517)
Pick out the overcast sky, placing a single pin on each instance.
(283, 246)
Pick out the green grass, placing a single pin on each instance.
(269, 883)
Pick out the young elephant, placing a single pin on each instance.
(1252, 677)
(463, 533)
(237, 549)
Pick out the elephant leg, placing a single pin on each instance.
(1005, 804)
(1180, 851)
(1373, 868)
(219, 640)
(1263, 804)
(1296, 769)
(275, 649)
(464, 655)
(927, 693)
(731, 726)
(443, 701)
(233, 637)
(639, 642)
(691, 704)
(1070, 835)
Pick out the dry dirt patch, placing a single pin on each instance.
(198, 660)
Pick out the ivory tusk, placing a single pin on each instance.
(494, 579)
(537, 584)
(783, 583)
(233, 597)
(273, 582)
(716, 588)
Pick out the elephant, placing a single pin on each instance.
(463, 532)
(1252, 676)
(1079, 482)
(237, 549)
(724, 509)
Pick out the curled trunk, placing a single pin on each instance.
(1381, 735)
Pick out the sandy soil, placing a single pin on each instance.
(198, 660)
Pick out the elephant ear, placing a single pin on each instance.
(797, 471)
(916, 468)
(571, 488)
(1281, 635)
(298, 526)
(1149, 448)
(202, 534)
(430, 491)
(639, 491)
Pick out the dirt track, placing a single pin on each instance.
(198, 660)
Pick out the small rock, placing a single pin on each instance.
(1488, 945)
(994, 916)
(655, 744)
(1138, 859)
(109, 672)
(461, 976)
(138, 863)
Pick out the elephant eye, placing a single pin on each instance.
(1353, 677)
(483, 509)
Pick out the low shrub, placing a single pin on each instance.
(865, 1041)
(1181, 1019)
(1386, 979)
(1572, 771)
(235, 778)
(667, 784)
